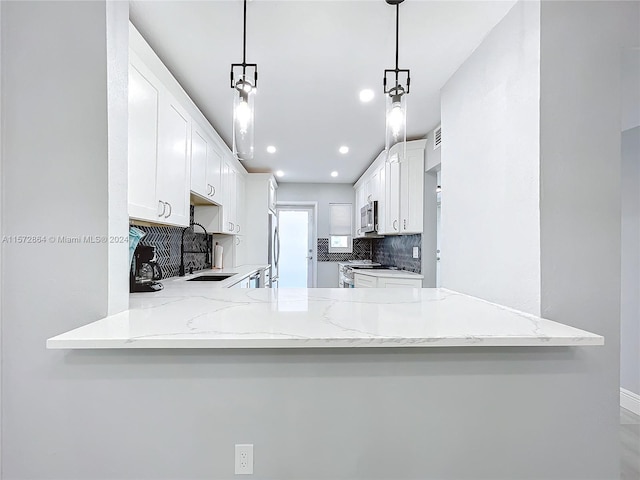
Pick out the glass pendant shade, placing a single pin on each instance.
(396, 131)
(243, 117)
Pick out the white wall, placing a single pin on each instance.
(630, 170)
(490, 166)
(630, 284)
(580, 167)
(324, 194)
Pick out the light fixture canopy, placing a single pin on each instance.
(396, 91)
(271, 149)
(244, 82)
(343, 149)
(334, 174)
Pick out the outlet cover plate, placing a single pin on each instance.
(416, 253)
(244, 459)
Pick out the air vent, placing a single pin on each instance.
(437, 138)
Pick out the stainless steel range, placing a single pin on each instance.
(345, 270)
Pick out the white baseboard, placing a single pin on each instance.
(630, 401)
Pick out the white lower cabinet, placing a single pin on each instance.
(240, 250)
(365, 281)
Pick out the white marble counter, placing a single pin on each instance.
(199, 315)
(387, 273)
(238, 273)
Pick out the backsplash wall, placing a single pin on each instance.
(398, 251)
(167, 240)
(361, 251)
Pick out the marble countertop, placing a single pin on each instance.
(199, 315)
(386, 273)
(238, 273)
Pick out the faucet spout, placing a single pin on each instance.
(181, 270)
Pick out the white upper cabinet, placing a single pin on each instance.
(412, 190)
(159, 144)
(173, 175)
(206, 161)
(396, 182)
(239, 203)
(175, 155)
(392, 197)
(143, 141)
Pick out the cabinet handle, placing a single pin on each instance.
(170, 210)
(213, 190)
(405, 223)
(369, 198)
(208, 189)
(164, 207)
(395, 224)
(237, 228)
(237, 240)
(231, 224)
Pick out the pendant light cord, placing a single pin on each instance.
(244, 41)
(397, 36)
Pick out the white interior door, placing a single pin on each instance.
(297, 239)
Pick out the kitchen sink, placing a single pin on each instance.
(210, 278)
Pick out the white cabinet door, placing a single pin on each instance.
(239, 200)
(392, 198)
(381, 199)
(199, 148)
(390, 282)
(144, 98)
(173, 175)
(214, 166)
(412, 191)
(228, 195)
(364, 281)
(205, 165)
(359, 203)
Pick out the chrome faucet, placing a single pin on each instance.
(181, 271)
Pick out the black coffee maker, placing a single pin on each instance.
(145, 270)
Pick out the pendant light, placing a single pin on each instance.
(396, 96)
(244, 82)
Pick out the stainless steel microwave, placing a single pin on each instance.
(369, 217)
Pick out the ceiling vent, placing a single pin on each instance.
(437, 138)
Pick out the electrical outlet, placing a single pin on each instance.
(244, 459)
(416, 253)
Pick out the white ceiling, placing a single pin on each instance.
(313, 59)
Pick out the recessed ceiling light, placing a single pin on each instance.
(334, 174)
(343, 149)
(271, 149)
(366, 95)
(279, 173)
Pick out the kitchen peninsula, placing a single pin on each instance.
(190, 314)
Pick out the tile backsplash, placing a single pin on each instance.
(395, 251)
(361, 251)
(398, 251)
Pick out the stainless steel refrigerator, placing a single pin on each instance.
(274, 250)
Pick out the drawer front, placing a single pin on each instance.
(399, 283)
(364, 281)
